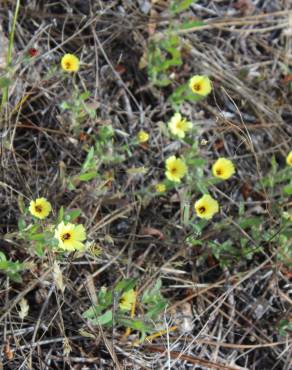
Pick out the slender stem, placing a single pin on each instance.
(10, 49)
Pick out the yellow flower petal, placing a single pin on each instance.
(79, 233)
(40, 208)
(178, 125)
(143, 136)
(289, 159)
(127, 300)
(223, 168)
(70, 63)
(70, 236)
(206, 207)
(160, 188)
(200, 85)
(175, 169)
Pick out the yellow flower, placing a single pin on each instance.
(206, 207)
(287, 216)
(70, 236)
(175, 168)
(160, 187)
(289, 159)
(143, 136)
(127, 300)
(179, 125)
(200, 85)
(223, 168)
(40, 208)
(70, 63)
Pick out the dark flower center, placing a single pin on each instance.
(38, 209)
(66, 236)
(202, 210)
(197, 87)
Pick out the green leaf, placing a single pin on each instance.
(284, 327)
(178, 6)
(137, 170)
(193, 241)
(87, 176)
(105, 318)
(245, 223)
(186, 214)
(90, 111)
(9, 266)
(198, 227)
(191, 24)
(88, 163)
(181, 94)
(37, 237)
(2, 257)
(106, 132)
(39, 250)
(156, 309)
(4, 82)
(288, 189)
(202, 186)
(241, 209)
(153, 294)
(93, 312)
(124, 285)
(60, 215)
(105, 298)
(274, 165)
(135, 324)
(162, 82)
(85, 95)
(64, 105)
(21, 204)
(193, 97)
(276, 178)
(197, 162)
(72, 215)
(4, 265)
(71, 186)
(34, 228)
(15, 277)
(21, 224)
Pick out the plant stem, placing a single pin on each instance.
(9, 54)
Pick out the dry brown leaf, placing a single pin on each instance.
(3, 49)
(151, 231)
(245, 6)
(143, 62)
(7, 351)
(24, 308)
(152, 23)
(58, 277)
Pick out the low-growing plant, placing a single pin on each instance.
(44, 234)
(165, 55)
(12, 268)
(165, 48)
(104, 152)
(122, 307)
(79, 109)
(285, 327)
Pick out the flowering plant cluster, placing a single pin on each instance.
(177, 168)
(69, 237)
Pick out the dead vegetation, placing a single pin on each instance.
(225, 318)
